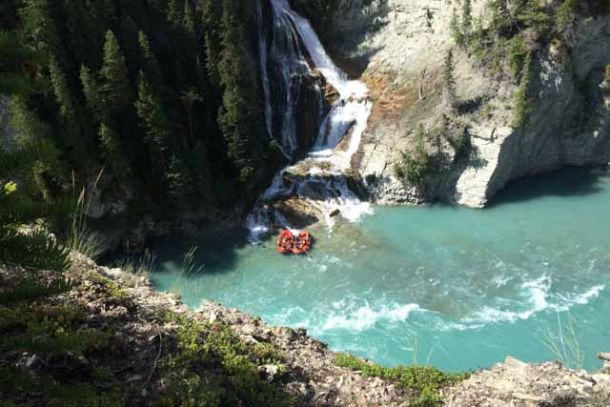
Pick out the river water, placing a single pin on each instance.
(453, 287)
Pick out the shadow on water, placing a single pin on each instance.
(216, 251)
(566, 182)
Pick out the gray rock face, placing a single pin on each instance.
(398, 47)
(519, 384)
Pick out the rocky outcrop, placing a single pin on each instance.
(518, 384)
(314, 379)
(311, 375)
(398, 46)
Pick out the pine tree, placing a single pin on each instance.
(130, 37)
(189, 19)
(153, 120)
(211, 16)
(522, 102)
(92, 92)
(467, 19)
(150, 65)
(115, 82)
(63, 95)
(83, 37)
(456, 30)
(449, 97)
(40, 28)
(237, 118)
(174, 11)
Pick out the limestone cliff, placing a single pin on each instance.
(398, 47)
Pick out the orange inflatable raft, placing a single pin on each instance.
(288, 243)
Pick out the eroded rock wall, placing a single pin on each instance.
(398, 47)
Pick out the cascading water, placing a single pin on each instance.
(294, 49)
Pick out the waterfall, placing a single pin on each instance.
(289, 52)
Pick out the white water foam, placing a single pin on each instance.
(365, 317)
(538, 294)
(349, 115)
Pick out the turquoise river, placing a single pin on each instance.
(452, 287)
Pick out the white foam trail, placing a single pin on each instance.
(538, 292)
(366, 317)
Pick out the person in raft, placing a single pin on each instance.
(287, 243)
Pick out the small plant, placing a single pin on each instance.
(80, 238)
(427, 380)
(456, 30)
(564, 343)
(142, 266)
(522, 101)
(566, 14)
(189, 265)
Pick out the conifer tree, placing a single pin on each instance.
(211, 15)
(150, 65)
(83, 36)
(456, 30)
(466, 19)
(62, 92)
(115, 86)
(39, 27)
(522, 102)
(174, 11)
(130, 37)
(92, 92)
(112, 150)
(237, 118)
(189, 19)
(152, 120)
(449, 97)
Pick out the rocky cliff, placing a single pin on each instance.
(398, 47)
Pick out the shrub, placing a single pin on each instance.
(427, 380)
(413, 166)
(522, 102)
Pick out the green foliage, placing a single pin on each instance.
(92, 92)
(522, 101)
(35, 250)
(51, 332)
(32, 289)
(449, 92)
(517, 54)
(150, 65)
(141, 266)
(466, 18)
(153, 120)
(566, 14)
(414, 166)
(427, 380)
(115, 89)
(456, 30)
(76, 68)
(238, 118)
(55, 393)
(215, 348)
(81, 238)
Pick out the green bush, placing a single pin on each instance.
(204, 349)
(427, 380)
(414, 166)
(522, 102)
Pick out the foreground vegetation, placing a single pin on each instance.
(81, 340)
(426, 380)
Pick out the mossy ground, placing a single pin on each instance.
(94, 345)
